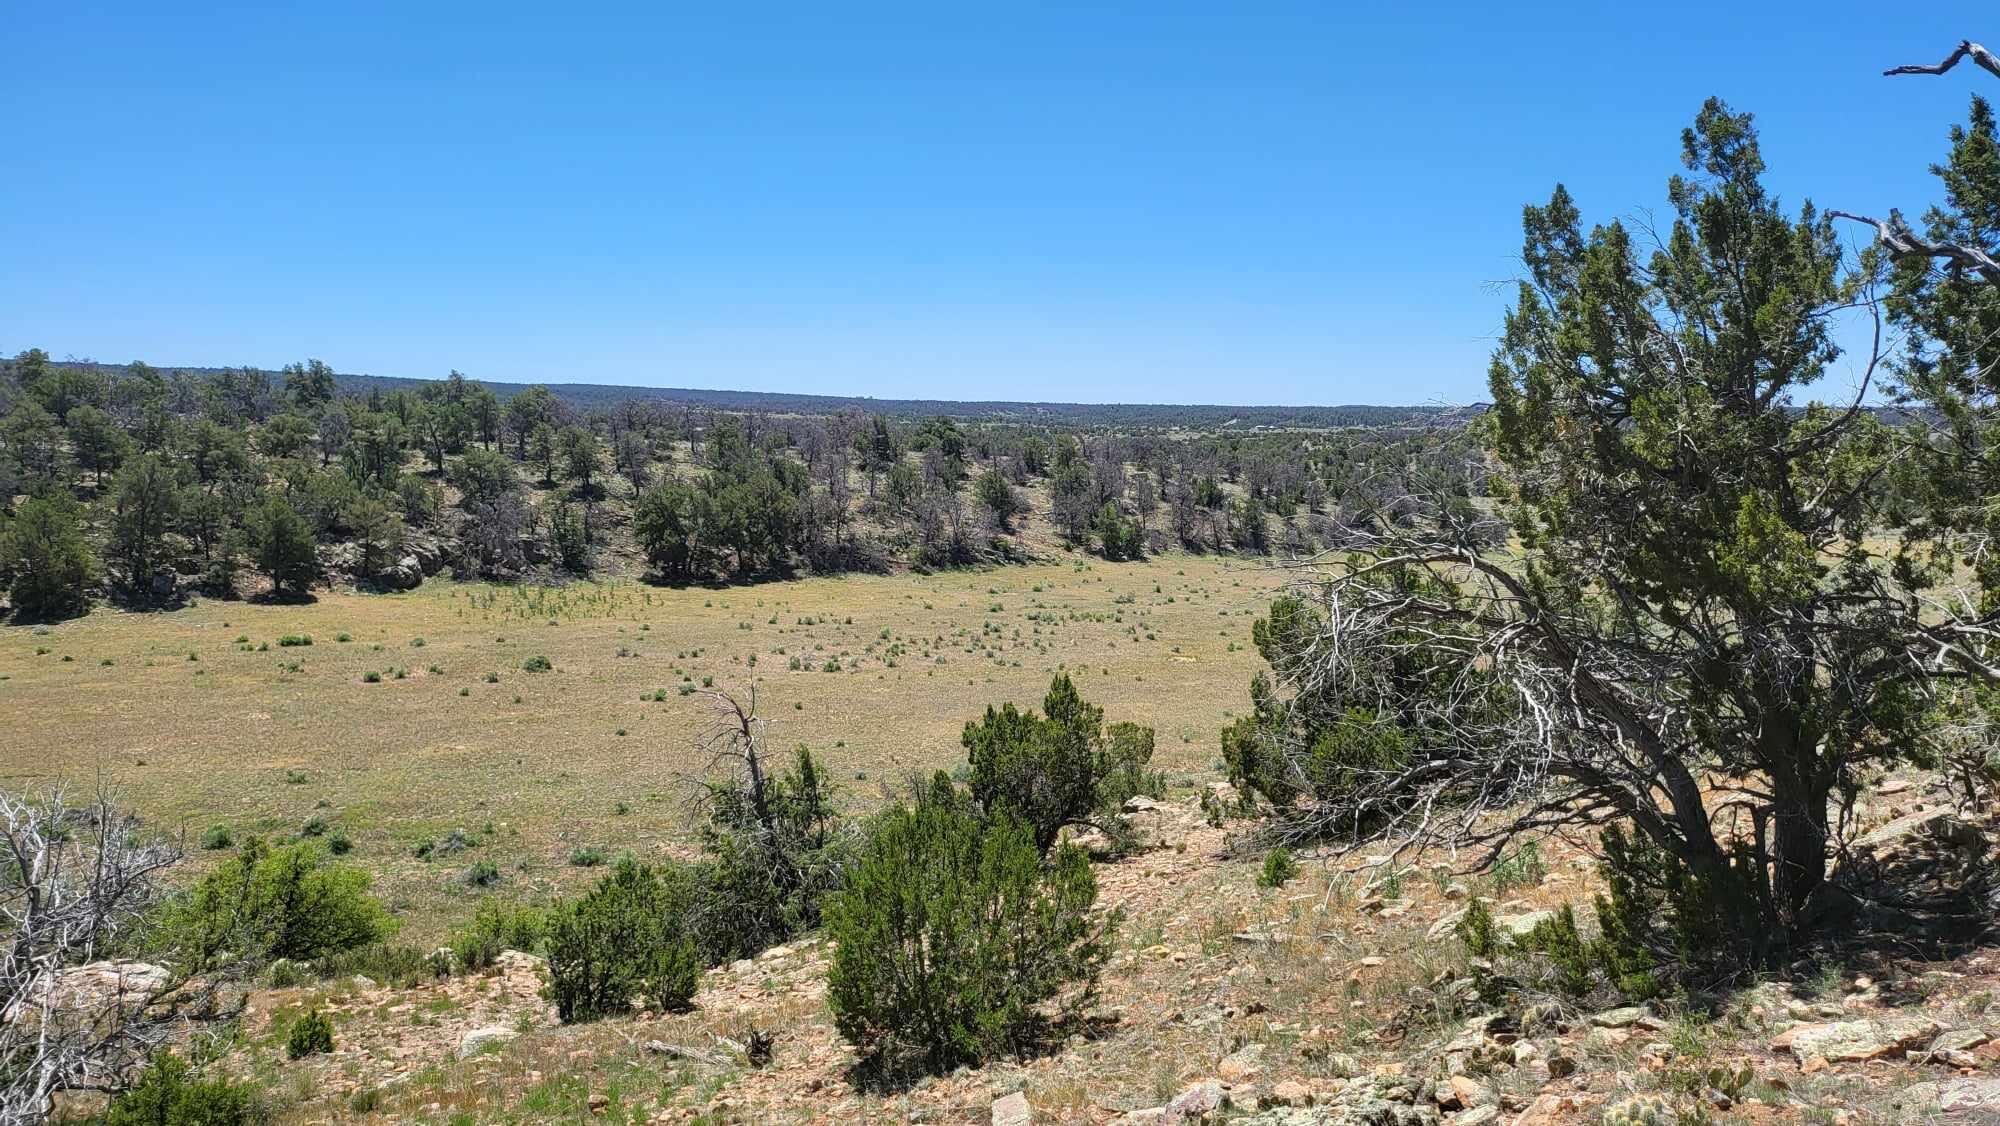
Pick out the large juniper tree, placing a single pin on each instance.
(1703, 627)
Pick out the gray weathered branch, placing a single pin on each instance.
(1966, 49)
(1901, 242)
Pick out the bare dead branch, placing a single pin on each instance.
(1895, 236)
(1966, 49)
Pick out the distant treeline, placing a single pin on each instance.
(599, 396)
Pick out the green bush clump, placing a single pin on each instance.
(266, 903)
(537, 663)
(771, 860)
(1661, 926)
(1477, 931)
(1279, 868)
(217, 837)
(586, 856)
(498, 926)
(480, 874)
(1055, 769)
(170, 1092)
(311, 1035)
(626, 937)
(954, 943)
(294, 640)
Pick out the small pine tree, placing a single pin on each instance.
(1055, 769)
(626, 937)
(311, 1035)
(170, 1092)
(1279, 868)
(954, 943)
(283, 546)
(1477, 932)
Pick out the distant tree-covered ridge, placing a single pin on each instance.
(145, 485)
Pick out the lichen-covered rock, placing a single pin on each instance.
(1853, 1041)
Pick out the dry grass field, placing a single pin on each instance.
(412, 716)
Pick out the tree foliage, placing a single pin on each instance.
(955, 943)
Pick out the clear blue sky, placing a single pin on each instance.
(1224, 202)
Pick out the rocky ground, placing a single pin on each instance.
(1342, 998)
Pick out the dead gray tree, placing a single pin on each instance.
(77, 883)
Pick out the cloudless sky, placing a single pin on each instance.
(1252, 202)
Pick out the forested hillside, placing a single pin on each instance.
(144, 485)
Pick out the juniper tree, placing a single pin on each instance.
(1704, 631)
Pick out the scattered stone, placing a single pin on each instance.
(1291, 1092)
(1624, 1017)
(477, 1040)
(1853, 1041)
(1193, 1104)
(1477, 1116)
(1968, 1100)
(1241, 1064)
(1470, 1092)
(1456, 891)
(1520, 925)
(599, 1103)
(1445, 925)
(1012, 1110)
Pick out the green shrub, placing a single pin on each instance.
(537, 663)
(1477, 932)
(1570, 961)
(498, 926)
(217, 837)
(1055, 769)
(311, 1035)
(586, 857)
(768, 866)
(292, 640)
(1279, 868)
(266, 903)
(170, 1092)
(626, 937)
(954, 944)
(480, 874)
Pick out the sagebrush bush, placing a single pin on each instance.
(217, 837)
(170, 1092)
(497, 926)
(954, 943)
(626, 937)
(311, 1035)
(267, 903)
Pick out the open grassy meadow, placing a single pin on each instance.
(420, 719)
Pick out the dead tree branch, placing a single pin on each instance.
(1966, 49)
(1901, 242)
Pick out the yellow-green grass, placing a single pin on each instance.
(195, 728)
